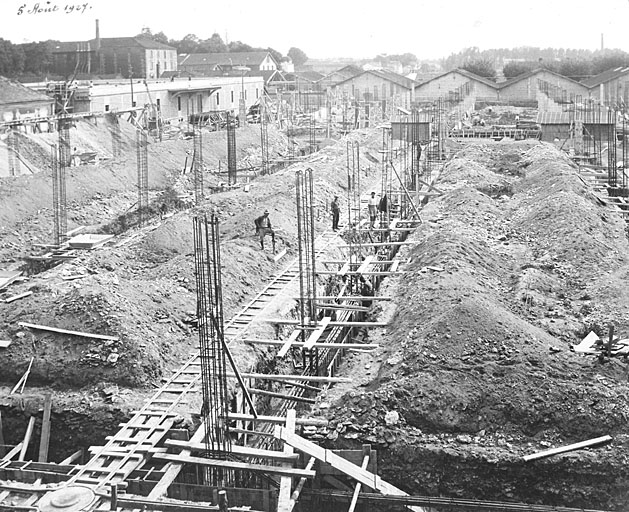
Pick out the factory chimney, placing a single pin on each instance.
(97, 42)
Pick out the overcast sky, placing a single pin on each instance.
(335, 28)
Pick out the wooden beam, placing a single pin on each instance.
(27, 437)
(283, 498)
(235, 449)
(281, 396)
(227, 464)
(22, 382)
(568, 448)
(381, 244)
(343, 465)
(348, 346)
(307, 378)
(172, 469)
(65, 331)
(355, 298)
(288, 343)
(69, 460)
(316, 422)
(13, 452)
(300, 485)
(352, 505)
(2, 447)
(16, 297)
(286, 321)
(45, 429)
(316, 334)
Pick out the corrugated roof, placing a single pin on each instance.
(15, 92)
(605, 76)
(225, 59)
(598, 116)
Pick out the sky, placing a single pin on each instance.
(333, 28)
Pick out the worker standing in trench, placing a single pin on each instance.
(336, 213)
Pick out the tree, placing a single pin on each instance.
(189, 44)
(297, 56)
(160, 37)
(275, 54)
(609, 59)
(513, 69)
(480, 67)
(239, 46)
(214, 44)
(577, 69)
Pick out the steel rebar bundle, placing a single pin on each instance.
(354, 208)
(197, 164)
(207, 259)
(264, 137)
(231, 150)
(13, 149)
(143, 174)
(306, 242)
(116, 136)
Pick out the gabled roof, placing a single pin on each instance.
(310, 76)
(124, 42)
(465, 73)
(14, 92)
(590, 117)
(553, 118)
(110, 42)
(273, 75)
(605, 76)
(225, 59)
(533, 72)
(385, 75)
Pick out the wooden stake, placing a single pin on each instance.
(27, 438)
(65, 331)
(568, 448)
(2, 447)
(45, 429)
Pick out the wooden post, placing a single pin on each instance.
(113, 505)
(27, 437)
(283, 499)
(45, 429)
(2, 448)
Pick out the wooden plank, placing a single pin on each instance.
(344, 466)
(366, 262)
(381, 244)
(13, 452)
(343, 270)
(348, 346)
(273, 470)
(307, 378)
(281, 396)
(45, 429)
(27, 438)
(65, 331)
(568, 448)
(302, 481)
(352, 505)
(22, 382)
(16, 297)
(236, 449)
(355, 298)
(74, 457)
(172, 469)
(316, 422)
(288, 343)
(286, 321)
(279, 255)
(283, 499)
(316, 334)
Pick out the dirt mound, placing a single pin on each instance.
(476, 360)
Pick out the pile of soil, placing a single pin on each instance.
(512, 265)
(140, 288)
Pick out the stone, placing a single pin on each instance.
(392, 418)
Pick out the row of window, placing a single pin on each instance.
(217, 97)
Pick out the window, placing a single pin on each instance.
(375, 93)
(218, 100)
(384, 91)
(158, 103)
(391, 89)
(179, 103)
(256, 93)
(245, 93)
(200, 102)
(232, 96)
(106, 108)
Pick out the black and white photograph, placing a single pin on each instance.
(314, 257)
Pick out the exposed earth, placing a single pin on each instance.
(474, 370)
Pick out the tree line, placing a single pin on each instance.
(575, 64)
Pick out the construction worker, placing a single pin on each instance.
(336, 213)
(372, 205)
(263, 227)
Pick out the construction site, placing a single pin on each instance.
(459, 343)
